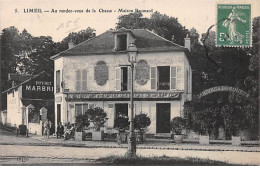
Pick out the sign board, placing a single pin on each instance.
(40, 87)
(222, 88)
(122, 95)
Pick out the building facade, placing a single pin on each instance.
(26, 98)
(95, 73)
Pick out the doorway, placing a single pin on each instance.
(58, 114)
(163, 116)
(121, 108)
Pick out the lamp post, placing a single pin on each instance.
(132, 58)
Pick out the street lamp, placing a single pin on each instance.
(132, 58)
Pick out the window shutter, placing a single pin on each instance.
(129, 78)
(118, 79)
(173, 77)
(153, 78)
(78, 80)
(84, 79)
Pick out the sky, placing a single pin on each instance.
(199, 14)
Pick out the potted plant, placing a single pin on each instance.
(234, 120)
(177, 126)
(121, 124)
(98, 117)
(81, 122)
(141, 122)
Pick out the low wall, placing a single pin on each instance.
(245, 135)
(35, 128)
(3, 117)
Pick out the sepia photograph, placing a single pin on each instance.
(129, 83)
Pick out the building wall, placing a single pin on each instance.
(73, 63)
(69, 64)
(146, 107)
(14, 107)
(60, 97)
(188, 79)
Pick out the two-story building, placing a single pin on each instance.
(95, 74)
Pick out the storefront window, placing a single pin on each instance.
(81, 108)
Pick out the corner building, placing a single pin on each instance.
(95, 74)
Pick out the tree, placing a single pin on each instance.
(76, 38)
(13, 47)
(161, 24)
(235, 67)
(132, 21)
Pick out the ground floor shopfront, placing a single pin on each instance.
(161, 107)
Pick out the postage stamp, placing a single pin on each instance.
(234, 25)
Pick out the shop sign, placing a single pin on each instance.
(137, 95)
(40, 87)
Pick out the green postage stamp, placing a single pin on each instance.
(234, 25)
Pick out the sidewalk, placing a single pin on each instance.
(8, 138)
(149, 144)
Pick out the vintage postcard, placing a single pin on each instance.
(129, 83)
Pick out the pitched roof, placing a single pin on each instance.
(26, 81)
(146, 41)
(18, 77)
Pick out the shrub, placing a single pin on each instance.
(97, 116)
(121, 122)
(178, 124)
(81, 122)
(141, 122)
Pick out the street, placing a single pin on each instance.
(35, 150)
(42, 155)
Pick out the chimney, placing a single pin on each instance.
(187, 42)
(71, 44)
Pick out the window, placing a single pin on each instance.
(80, 108)
(122, 79)
(81, 80)
(57, 81)
(121, 42)
(163, 77)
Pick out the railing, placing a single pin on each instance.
(163, 86)
(123, 86)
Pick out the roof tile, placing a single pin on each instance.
(146, 41)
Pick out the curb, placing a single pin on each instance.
(117, 146)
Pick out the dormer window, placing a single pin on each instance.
(121, 42)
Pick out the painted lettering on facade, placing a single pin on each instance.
(223, 88)
(138, 95)
(39, 86)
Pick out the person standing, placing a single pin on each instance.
(46, 128)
